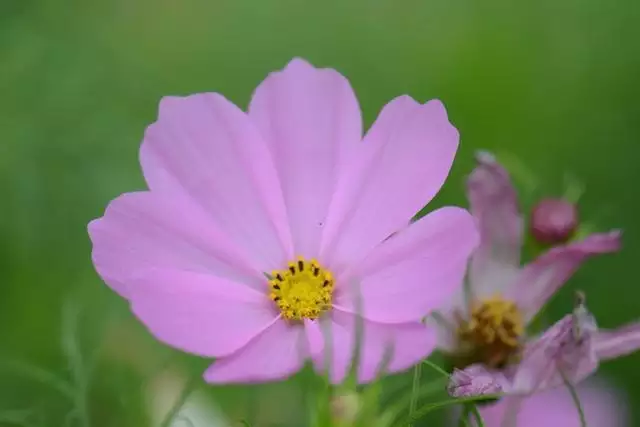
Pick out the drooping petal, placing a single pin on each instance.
(398, 168)
(565, 352)
(199, 313)
(415, 271)
(494, 204)
(389, 347)
(538, 281)
(145, 230)
(275, 354)
(308, 117)
(205, 147)
(610, 344)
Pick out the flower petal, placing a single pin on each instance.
(308, 117)
(398, 168)
(494, 204)
(565, 351)
(315, 340)
(276, 354)
(205, 147)
(415, 271)
(538, 281)
(618, 342)
(199, 313)
(393, 348)
(143, 230)
(603, 406)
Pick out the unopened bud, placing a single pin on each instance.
(554, 221)
(345, 408)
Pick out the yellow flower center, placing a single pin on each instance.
(492, 333)
(303, 291)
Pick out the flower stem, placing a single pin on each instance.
(575, 398)
(417, 372)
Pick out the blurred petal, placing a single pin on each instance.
(564, 351)
(415, 271)
(494, 204)
(538, 281)
(315, 340)
(206, 148)
(618, 342)
(145, 230)
(276, 354)
(399, 345)
(199, 313)
(603, 407)
(308, 117)
(398, 168)
(476, 380)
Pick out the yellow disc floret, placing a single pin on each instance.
(303, 291)
(492, 334)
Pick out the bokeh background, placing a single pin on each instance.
(551, 85)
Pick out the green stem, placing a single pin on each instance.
(464, 415)
(413, 403)
(472, 408)
(575, 398)
(442, 404)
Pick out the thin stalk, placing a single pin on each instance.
(575, 398)
(413, 403)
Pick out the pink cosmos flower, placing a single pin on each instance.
(570, 350)
(256, 225)
(603, 406)
(486, 322)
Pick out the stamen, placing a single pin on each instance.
(492, 333)
(302, 293)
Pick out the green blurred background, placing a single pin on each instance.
(551, 83)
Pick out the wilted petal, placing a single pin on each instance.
(618, 342)
(494, 204)
(538, 281)
(565, 352)
(476, 380)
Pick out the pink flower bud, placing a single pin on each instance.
(554, 221)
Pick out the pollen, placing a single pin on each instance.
(302, 291)
(492, 332)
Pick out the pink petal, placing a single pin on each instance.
(494, 204)
(565, 351)
(476, 380)
(199, 313)
(398, 168)
(308, 117)
(276, 354)
(603, 407)
(415, 271)
(315, 340)
(538, 281)
(618, 342)
(143, 230)
(203, 146)
(400, 346)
